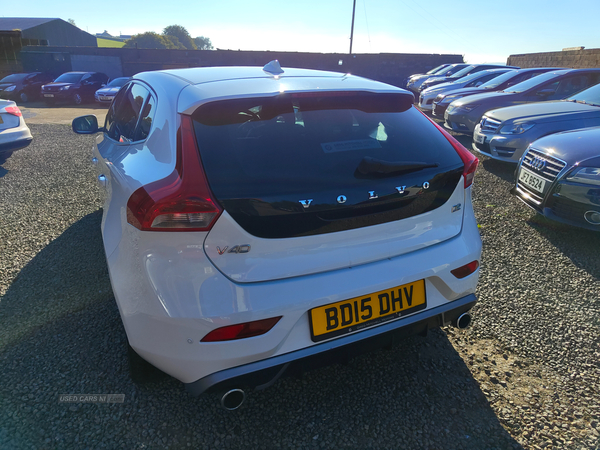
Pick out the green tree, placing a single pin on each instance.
(182, 34)
(174, 42)
(72, 22)
(203, 43)
(149, 40)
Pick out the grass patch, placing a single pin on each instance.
(109, 43)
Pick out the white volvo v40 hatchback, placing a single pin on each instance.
(260, 220)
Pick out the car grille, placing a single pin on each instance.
(488, 125)
(552, 167)
(549, 171)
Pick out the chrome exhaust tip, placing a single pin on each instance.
(233, 399)
(463, 321)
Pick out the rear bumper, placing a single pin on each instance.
(6, 147)
(262, 374)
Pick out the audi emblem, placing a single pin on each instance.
(538, 163)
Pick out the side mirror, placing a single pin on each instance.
(545, 92)
(86, 125)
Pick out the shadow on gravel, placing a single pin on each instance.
(3, 158)
(579, 245)
(65, 337)
(501, 169)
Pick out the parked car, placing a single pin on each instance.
(414, 84)
(559, 177)
(463, 115)
(75, 87)
(107, 93)
(14, 133)
(499, 83)
(505, 133)
(470, 81)
(23, 87)
(473, 68)
(257, 218)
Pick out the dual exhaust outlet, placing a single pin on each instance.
(234, 398)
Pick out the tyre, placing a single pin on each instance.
(77, 99)
(23, 97)
(140, 370)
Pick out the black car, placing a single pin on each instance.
(559, 177)
(75, 87)
(23, 87)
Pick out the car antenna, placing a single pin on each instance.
(273, 68)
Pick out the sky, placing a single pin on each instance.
(480, 31)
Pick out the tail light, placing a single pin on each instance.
(468, 159)
(14, 110)
(182, 201)
(241, 330)
(466, 270)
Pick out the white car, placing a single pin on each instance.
(14, 133)
(257, 220)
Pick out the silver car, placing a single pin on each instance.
(506, 133)
(462, 115)
(414, 83)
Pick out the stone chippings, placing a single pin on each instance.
(525, 375)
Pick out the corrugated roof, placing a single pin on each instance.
(22, 23)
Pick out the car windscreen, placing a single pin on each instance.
(531, 83)
(437, 69)
(471, 77)
(495, 82)
(118, 82)
(69, 78)
(462, 72)
(303, 143)
(452, 70)
(15, 77)
(590, 96)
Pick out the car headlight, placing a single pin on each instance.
(10, 88)
(449, 98)
(516, 128)
(65, 88)
(468, 107)
(586, 175)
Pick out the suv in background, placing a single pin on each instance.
(23, 87)
(258, 219)
(75, 87)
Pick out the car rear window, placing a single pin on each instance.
(303, 143)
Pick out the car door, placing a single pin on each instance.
(128, 123)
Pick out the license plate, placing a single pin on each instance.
(105, 98)
(48, 95)
(479, 138)
(532, 181)
(358, 313)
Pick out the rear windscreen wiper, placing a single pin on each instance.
(379, 168)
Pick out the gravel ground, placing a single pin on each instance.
(524, 375)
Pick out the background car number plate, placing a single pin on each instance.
(361, 312)
(479, 138)
(532, 181)
(48, 95)
(105, 98)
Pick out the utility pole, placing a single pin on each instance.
(352, 28)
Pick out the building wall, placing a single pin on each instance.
(61, 33)
(574, 59)
(392, 68)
